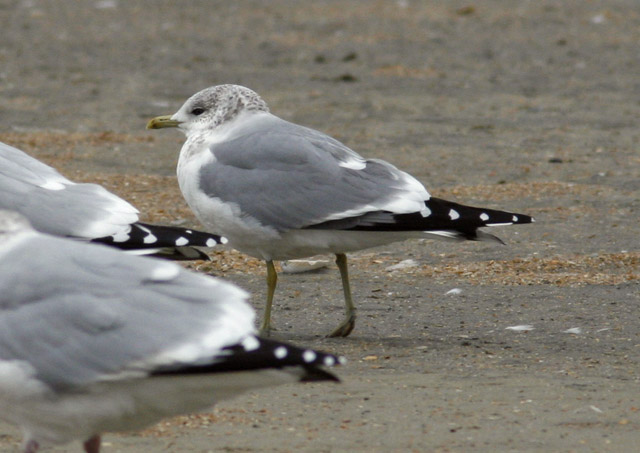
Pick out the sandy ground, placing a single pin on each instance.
(528, 106)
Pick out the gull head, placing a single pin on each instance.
(210, 108)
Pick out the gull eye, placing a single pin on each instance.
(197, 111)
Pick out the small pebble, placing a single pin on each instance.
(522, 328)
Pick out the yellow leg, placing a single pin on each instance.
(349, 322)
(272, 280)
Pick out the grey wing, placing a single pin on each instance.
(77, 313)
(288, 176)
(21, 166)
(55, 205)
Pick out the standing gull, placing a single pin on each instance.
(55, 205)
(93, 340)
(281, 191)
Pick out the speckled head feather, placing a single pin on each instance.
(218, 104)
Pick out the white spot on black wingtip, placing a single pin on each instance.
(342, 360)
(189, 231)
(308, 356)
(280, 352)
(425, 212)
(182, 241)
(484, 216)
(211, 242)
(223, 240)
(454, 215)
(120, 237)
(515, 219)
(329, 361)
(250, 344)
(150, 239)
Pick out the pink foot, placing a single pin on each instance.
(31, 446)
(92, 445)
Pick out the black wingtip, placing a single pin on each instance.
(439, 217)
(453, 214)
(257, 353)
(178, 236)
(168, 242)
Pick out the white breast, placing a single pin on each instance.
(225, 218)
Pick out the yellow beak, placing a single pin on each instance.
(160, 122)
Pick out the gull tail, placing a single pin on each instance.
(260, 354)
(442, 218)
(169, 242)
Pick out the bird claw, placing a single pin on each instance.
(345, 328)
(265, 331)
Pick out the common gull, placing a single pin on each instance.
(94, 340)
(281, 191)
(53, 204)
